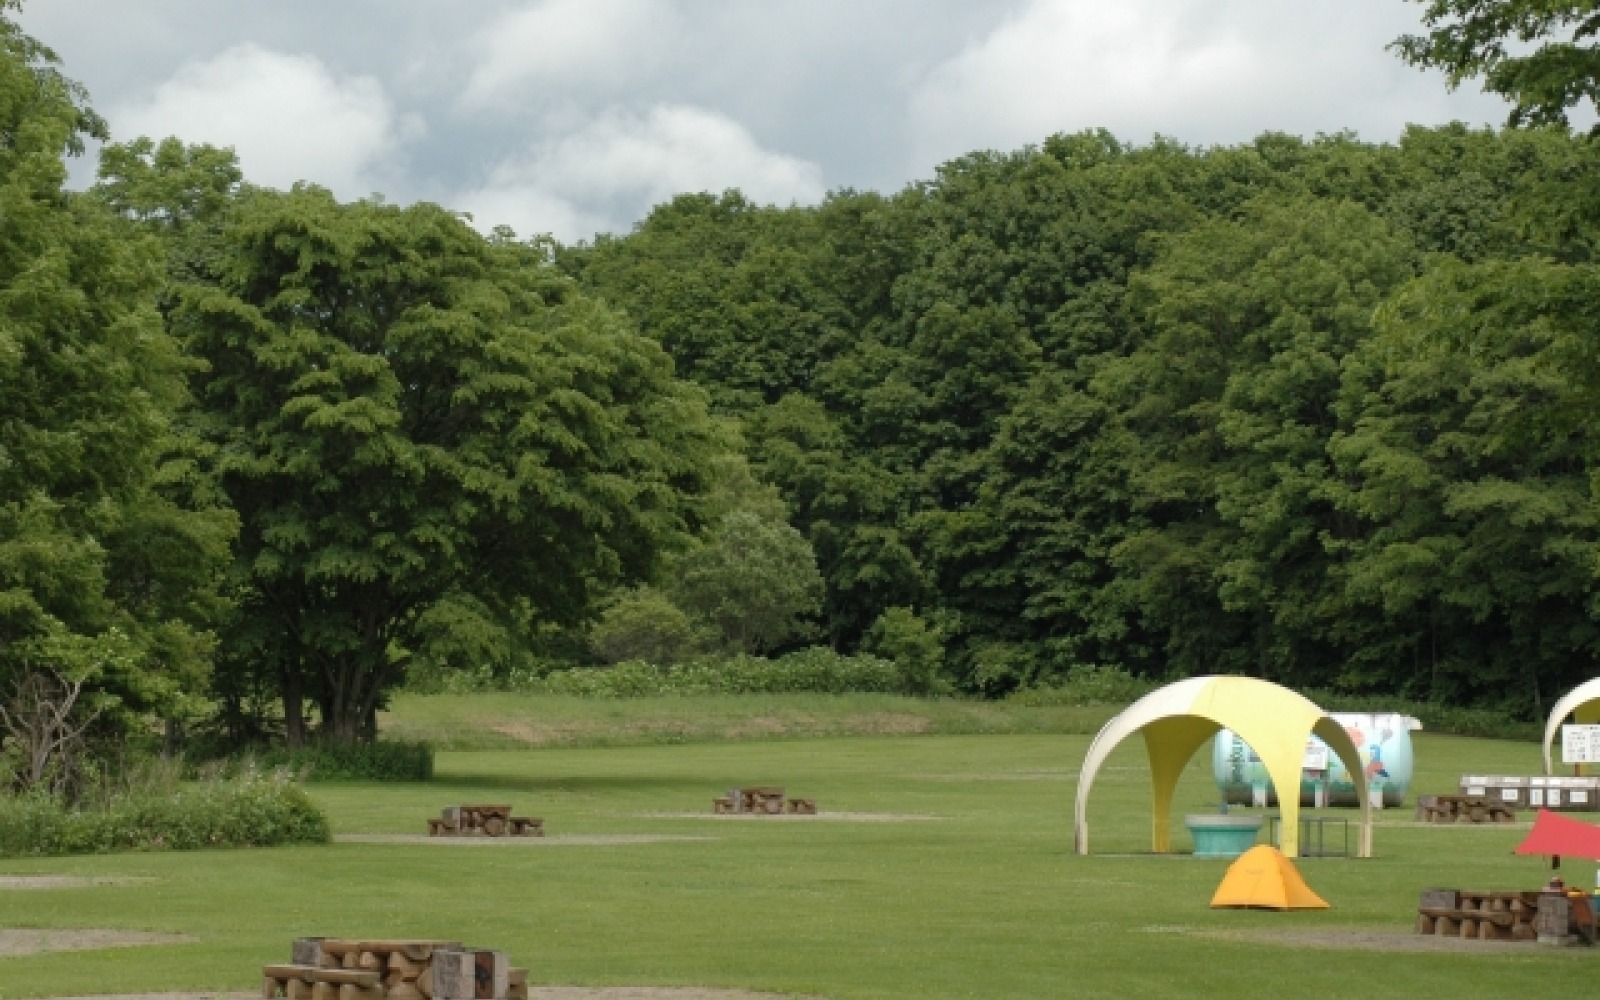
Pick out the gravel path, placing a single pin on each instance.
(66, 881)
(534, 993)
(554, 840)
(821, 817)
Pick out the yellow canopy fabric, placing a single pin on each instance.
(1262, 878)
(1582, 703)
(1177, 719)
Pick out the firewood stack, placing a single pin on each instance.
(1463, 809)
(484, 821)
(761, 801)
(340, 969)
(1485, 916)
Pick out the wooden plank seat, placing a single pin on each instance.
(313, 982)
(318, 974)
(526, 826)
(803, 807)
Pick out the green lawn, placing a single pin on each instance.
(987, 900)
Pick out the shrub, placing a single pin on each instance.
(818, 670)
(383, 760)
(254, 809)
(916, 648)
(643, 625)
(1087, 685)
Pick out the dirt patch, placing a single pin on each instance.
(761, 725)
(539, 735)
(1357, 940)
(821, 817)
(555, 840)
(67, 881)
(32, 942)
(887, 724)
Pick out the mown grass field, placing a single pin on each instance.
(984, 900)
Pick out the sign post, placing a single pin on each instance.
(1580, 744)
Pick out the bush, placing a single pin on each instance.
(916, 648)
(819, 671)
(254, 809)
(643, 625)
(1452, 720)
(384, 760)
(1087, 685)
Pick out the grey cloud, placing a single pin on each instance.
(868, 95)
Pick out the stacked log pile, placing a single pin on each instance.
(348, 969)
(1483, 916)
(484, 821)
(761, 801)
(1463, 809)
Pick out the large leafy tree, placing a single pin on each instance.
(104, 567)
(407, 415)
(1538, 54)
(1467, 463)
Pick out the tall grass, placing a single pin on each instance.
(254, 808)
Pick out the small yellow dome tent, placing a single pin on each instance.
(1263, 879)
(1582, 703)
(1177, 719)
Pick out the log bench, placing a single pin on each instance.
(1486, 916)
(353, 969)
(312, 982)
(484, 821)
(1463, 809)
(762, 800)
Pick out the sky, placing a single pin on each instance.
(574, 117)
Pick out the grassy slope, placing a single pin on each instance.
(987, 902)
(498, 721)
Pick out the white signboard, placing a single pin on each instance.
(1580, 744)
(1316, 758)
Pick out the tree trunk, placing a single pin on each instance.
(294, 719)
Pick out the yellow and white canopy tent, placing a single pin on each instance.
(1582, 703)
(1178, 719)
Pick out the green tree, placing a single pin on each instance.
(915, 647)
(1538, 54)
(1467, 463)
(644, 624)
(104, 567)
(754, 581)
(405, 413)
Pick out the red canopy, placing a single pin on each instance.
(1555, 834)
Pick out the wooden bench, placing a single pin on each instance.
(1463, 809)
(802, 807)
(484, 821)
(526, 826)
(313, 982)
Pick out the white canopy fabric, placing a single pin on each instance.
(1177, 719)
(1583, 702)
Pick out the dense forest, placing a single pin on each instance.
(1318, 411)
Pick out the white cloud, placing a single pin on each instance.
(287, 117)
(1202, 71)
(570, 45)
(608, 173)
